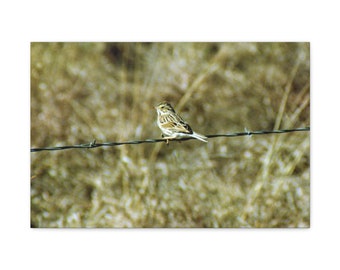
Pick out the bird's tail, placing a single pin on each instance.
(199, 137)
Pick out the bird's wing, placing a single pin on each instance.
(176, 124)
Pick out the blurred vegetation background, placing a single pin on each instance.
(107, 92)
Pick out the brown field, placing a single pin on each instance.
(107, 91)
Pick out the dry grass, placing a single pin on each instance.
(86, 91)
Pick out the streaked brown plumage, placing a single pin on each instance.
(172, 125)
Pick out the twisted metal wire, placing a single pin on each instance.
(94, 144)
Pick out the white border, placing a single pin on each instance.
(26, 21)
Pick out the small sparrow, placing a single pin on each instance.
(173, 126)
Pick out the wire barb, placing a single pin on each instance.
(248, 132)
(94, 144)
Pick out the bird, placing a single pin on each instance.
(172, 125)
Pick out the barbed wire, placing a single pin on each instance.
(94, 143)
